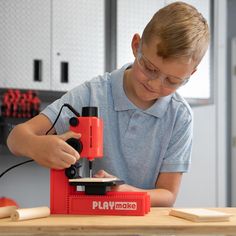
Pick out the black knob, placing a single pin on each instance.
(76, 144)
(73, 171)
(90, 111)
(74, 121)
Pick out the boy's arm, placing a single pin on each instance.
(167, 188)
(28, 139)
(164, 195)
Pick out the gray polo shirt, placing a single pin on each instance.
(138, 144)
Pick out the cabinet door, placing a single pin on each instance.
(25, 44)
(132, 17)
(78, 42)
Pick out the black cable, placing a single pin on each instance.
(64, 105)
(22, 163)
(55, 120)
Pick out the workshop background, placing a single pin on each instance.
(48, 47)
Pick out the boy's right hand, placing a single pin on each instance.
(52, 150)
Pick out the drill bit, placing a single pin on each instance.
(90, 169)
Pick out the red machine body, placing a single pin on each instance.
(95, 200)
(91, 129)
(65, 199)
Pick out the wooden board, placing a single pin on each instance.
(200, 214)
(93, 180)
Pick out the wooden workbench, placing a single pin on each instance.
(157, 222)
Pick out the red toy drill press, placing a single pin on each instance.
(95, 199)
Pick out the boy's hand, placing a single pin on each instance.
(53, 151)
(103, 174)
(118, 188)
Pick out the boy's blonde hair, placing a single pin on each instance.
(182, 32)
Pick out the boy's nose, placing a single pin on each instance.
(155, 83)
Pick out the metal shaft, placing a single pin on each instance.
(90, 169)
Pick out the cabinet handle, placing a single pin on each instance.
(38, 69)
(64, 72)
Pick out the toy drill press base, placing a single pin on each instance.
(95, 200)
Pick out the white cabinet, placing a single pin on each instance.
(78, 30)
(51, 44)
(25, 39)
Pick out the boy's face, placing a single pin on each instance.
(152, 76)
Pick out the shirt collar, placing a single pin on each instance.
(159, 108)
(122, 103)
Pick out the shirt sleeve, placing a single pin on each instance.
(178, 154)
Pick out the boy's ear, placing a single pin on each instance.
(135, 44)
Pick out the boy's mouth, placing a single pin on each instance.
(149, 89)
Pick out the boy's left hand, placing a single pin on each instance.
(118, 188)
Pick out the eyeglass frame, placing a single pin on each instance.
(159, 73)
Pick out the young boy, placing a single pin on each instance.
(147, 125)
